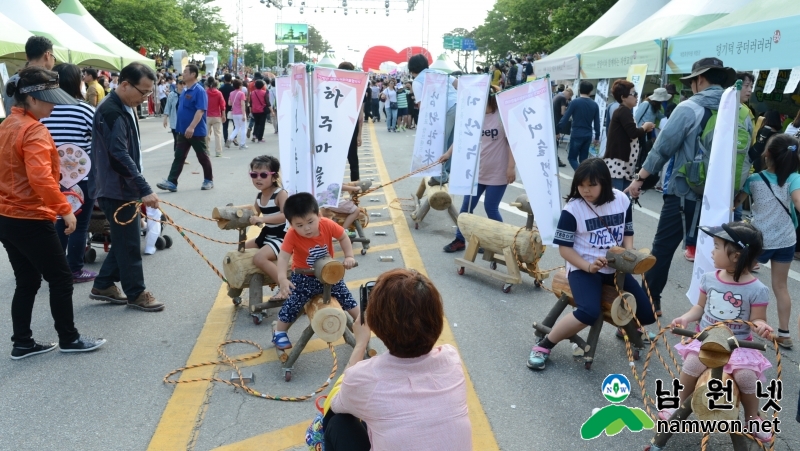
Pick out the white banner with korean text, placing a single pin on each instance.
(527, 116)
(473, 92)
(283, 97)
(300, 176)
(718, 195)
(429, 141)
(601, 99)
(338, 96)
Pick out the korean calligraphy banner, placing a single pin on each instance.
(283, 97)
(299, 174)
(527, 117)
(338, 96)
(716, 207)
(473, 92)
(601, 99)
(429, 141)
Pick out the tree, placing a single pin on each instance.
(252, 54)
(212, 33)
(317, 45)
(493, 37)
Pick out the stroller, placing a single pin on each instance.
(100, 234)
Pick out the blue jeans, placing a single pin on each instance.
(494, 194)
(587, 290)
(391, 118)
(578, 150)
(669, 234)
(376, 113)
(123, 262)
(75, 243)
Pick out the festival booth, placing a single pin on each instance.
(75, 15)
(69, 45)
(760, 36)
(564, 63)
(644, 43)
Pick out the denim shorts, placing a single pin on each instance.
(781, 255)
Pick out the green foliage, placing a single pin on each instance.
(211, 33)
(252, 54)
(317, 45)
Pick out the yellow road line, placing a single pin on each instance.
(380, 224)
(378, 248)
(279, 440)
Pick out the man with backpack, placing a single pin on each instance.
(682, 149)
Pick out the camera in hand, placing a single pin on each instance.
(365, 290)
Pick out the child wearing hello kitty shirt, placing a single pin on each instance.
(730, 292)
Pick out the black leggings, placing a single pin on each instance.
(352, 156)
(345, 432)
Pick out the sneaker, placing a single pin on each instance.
(665, 414)
(243, 147)
(235, 142)
(538, 358)
(218, 155)
(784, 342)
(351, 234)
(37, 348)
(763, 436)
(281, 341)
(646, 337)
(110, 294)
(253, 139)
(166, 185)
(83, 276)
(207, 184)
(228, 144)
(147, 302)
(249, 131)
(83, 344)
(261, 141)
(688, 254)
(561, 164)
(756, 267)
(455, 245)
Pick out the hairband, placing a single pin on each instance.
(39, 87)
(793, 147)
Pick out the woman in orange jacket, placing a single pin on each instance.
(30, 199)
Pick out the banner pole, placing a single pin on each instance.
(736, 142)
(555, 132)
(310, 93)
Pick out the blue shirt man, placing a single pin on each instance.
(193, 99)
(585, 123)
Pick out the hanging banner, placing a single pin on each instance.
(794, 78)
(636, 75)
(772, 78)
(429, 141)
(716, 208)
(338, 96)
(473, 92)
(527, 115)
(283, 97)
(300, 176)
(601, 99)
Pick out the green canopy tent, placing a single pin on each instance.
(69, 45)
(644, 43)
(12, 40)
(563, 64)
(75, 15)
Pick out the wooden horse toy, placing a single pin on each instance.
(618, 307)
(238, 267)
(359, 224)
(717, 346)
(325, 315)
(499, 242)
(437, 197)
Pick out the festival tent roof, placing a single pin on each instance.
(37, 18)
(643, 43)
(75, 15)
(12, 39)
(761, 35)
(563, 63)
(327, 61)
(444, 64)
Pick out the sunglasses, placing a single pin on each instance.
(255, 175)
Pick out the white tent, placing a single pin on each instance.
(563, 64)
(75, 15)
(444, 64)
(328, 62)
(37, 18)
(644, 43)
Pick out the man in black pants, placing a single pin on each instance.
(355, 143)
(117, 166)
(226, 89)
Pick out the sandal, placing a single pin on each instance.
(658, 312)
(281, 341)
(646, 337)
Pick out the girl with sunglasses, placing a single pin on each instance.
(269, 201)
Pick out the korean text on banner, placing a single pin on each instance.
(300, 157)
(527, 117)
(636, 75)
(283, 97)
(601, 99)
(473, 92)
(429, 141)
(338, 96)
(716, 208)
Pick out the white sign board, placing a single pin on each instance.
(601, 99)
(429, 141)
(473, 93)
(300, 176)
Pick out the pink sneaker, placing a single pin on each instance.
(83, 276)
(688, 254)
(665, 414)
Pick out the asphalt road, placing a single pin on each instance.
(114, 399)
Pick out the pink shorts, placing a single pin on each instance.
(345, 207)
(741, 358)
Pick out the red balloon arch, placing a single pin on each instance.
(380, 53)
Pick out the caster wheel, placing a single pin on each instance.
(416, 225)
(237, 300)
(167, 241)
(647, 448)
(161, 243)
(493, 265)
(507, 288)
(537, 283)
(587, 365)
(287, 376)
(635, 354)
(460, 271)
(257, 319)
(90, 256)
(363, 252)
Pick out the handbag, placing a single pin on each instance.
(393, 105)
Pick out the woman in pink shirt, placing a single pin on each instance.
(216, 112)
(259, 105)
(238, 114)
(413, 397)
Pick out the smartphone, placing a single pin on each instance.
(365, 290)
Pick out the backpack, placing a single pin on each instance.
(743, 162)
(528, 68)
(512, 75)
(694, 172)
